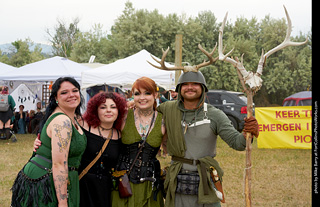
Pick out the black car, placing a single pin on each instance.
(233, 104)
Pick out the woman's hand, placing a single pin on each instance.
(36, 143)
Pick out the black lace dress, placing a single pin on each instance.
(96, 185)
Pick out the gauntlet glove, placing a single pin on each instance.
(251, 126)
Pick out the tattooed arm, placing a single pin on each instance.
(60, 131)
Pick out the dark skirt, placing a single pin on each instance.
(95, 190)
(27, 191)
(6, 115)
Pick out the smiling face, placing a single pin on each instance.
(143, 99)
(108, 111)
(68, 96)
(191, 91)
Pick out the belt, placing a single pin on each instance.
(70, 168)
(185, 160)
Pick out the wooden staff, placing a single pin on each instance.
(254, 81)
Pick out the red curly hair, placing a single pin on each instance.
(91, 114)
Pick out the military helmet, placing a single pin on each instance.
(195, 77)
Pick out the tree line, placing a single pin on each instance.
(286, 72)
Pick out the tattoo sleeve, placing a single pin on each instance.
(63, 142)
(61, 138)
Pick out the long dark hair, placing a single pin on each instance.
(52, 99)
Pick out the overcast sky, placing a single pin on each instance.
(20, 19)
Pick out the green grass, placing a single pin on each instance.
(280, 177)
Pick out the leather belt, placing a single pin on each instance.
(185, 160)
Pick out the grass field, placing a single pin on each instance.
(280, 177)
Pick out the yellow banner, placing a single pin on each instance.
(284, 127)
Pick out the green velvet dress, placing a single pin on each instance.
(142, 192)
(35, 187)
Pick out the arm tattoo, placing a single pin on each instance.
(63, 142)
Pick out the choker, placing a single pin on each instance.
(103, 129)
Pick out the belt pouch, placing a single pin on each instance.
(188, 183)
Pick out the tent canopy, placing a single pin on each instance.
(46, 70)
(125, 71)
(4, 68)
(302, 98)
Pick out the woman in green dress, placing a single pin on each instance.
(142, 123)
(50, 178)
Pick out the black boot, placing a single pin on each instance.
(2, 134)
(7, 133)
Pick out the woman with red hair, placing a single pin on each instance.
(103, 117)
(142, 135)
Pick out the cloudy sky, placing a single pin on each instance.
(20, 19)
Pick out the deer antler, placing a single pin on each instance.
(250, 78)
(286, 42)
(194, 68)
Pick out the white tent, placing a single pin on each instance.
(46, 70)
(125, 71)
(4, 68)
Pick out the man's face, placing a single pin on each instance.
(191, 91)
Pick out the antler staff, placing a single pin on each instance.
(193, 68)
(255, 82)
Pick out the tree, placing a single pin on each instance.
(64, 37)
(95, 42)
(22, 55)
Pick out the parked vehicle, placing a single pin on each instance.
(233, 104)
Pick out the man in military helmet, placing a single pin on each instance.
(193, 127)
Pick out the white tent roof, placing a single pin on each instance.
(46, 70)
(4, 68)
(125, 71)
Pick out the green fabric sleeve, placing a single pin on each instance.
(221, 125)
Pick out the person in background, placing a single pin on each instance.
(38, 116)
(160, 96)
(50, 177)
(7, 105)
(20, 118)
(173, 93)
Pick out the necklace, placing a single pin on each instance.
(102, 128)
(73, 121)
(108, 135)
(144, 127)
(145, 113)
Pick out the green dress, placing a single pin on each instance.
(41, 192)
(142, 192)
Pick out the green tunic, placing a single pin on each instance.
(77, 147)
(142, 192)
(174, 114)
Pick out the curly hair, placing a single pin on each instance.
(91, 114)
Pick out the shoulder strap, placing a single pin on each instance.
(97, 157)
